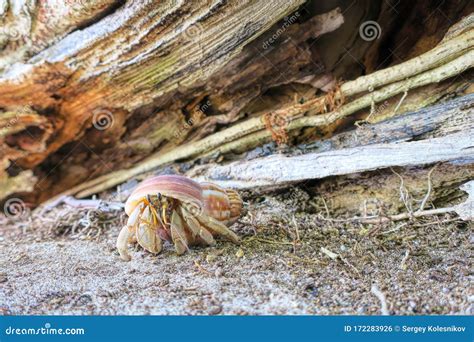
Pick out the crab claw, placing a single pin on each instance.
(125, 236)
(146, 234)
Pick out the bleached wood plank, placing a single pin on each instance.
(279, 169)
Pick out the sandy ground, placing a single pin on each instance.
(50, 265)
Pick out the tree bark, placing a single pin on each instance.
(388, 144)
(103, 81)
(107, 90)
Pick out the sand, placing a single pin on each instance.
(293, 260)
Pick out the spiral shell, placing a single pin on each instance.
(224, 205)
(181, 188)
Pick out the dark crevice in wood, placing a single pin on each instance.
(108, 11)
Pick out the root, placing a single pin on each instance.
(383, 301)
(276, 124)
(448, 59)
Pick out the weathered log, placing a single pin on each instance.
(160, 74)
(434, 121)
(163, 63)
(443, 132)
(27, 27)
(252, 132)
(94, 71)
(278, 169)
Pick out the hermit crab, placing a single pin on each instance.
(179, 210)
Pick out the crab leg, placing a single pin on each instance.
(126, 235)
(196, 228)
(133, 220)
(147, 235)
(218, 228)
(178, 234)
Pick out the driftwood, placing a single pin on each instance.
(442, 132)
(373, 190)
(117, 89)
(435, 121)
(348, 194)
(252, 132)
(274, 170)
(124, 86)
